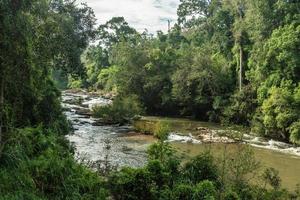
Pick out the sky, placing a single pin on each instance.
(140, 14)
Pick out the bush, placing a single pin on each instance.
(241, 108)
(242, 165)
(162, 131)
(123, 110)
(158, 173)
(75, 83)
(200, 168)
(279, 113)
(183, 192)
(271, 176)
(231, 195)
(131, 184)
(205, 190)
(162, 150)
(107, 78)
(295, 132)
(37, 163)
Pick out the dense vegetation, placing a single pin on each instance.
(204, 177)
(123, 110)
(36, 162)
(231, 61)
(225, 61)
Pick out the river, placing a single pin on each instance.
(90, 139)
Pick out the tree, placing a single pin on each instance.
(191, 12)
(238, 10)
(37, 37)
(278, 112)
(115, 31)
(95, 59)
(278, 76)
(200, 81)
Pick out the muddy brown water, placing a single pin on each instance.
(129, 149)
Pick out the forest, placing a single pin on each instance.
(224, 61)
(232, 62)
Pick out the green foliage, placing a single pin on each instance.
(37, 163)
(115, 30)
(74, 83)
(230, 195)
(201, 168)
(183, 192)
(145, 72)
(205, 190)
(241, 108)
(195, 69)
(157, 180)
(295, 132)
(108, 78)
(95, 59)
(199, 81)
(162, 150)
(131, 184)
(60, 79)
(279, 113)
(281, 52)
(122, 110)
(271, 176)
(243, 166)
(37, 37)
(162, 131)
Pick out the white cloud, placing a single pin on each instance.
(141, 14)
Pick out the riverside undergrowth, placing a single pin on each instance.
(38, 163)
(204, 177)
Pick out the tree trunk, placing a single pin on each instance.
(1, 108)
(241, 68)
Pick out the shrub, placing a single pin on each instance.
(242, 165)
(200, 168)
(162, 150)
(231, 195)
(162, 131)
(295, 132)
(121, 111)
(183, 192)
(131, 184)
(241, 108)
(279, 113)
(107, 78)
(271, 176)
(37, 163)
(158, 173)
(75, 83)
(205, 190)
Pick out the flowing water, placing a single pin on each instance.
(91, 139)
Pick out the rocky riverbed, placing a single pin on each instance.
(128, 148)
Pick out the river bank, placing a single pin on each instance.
(128, 146)
(193, 131)
(184, 130)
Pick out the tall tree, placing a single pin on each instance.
(238, 10)
(36, 37)
(115, 30)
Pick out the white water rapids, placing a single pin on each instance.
(89, 136)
